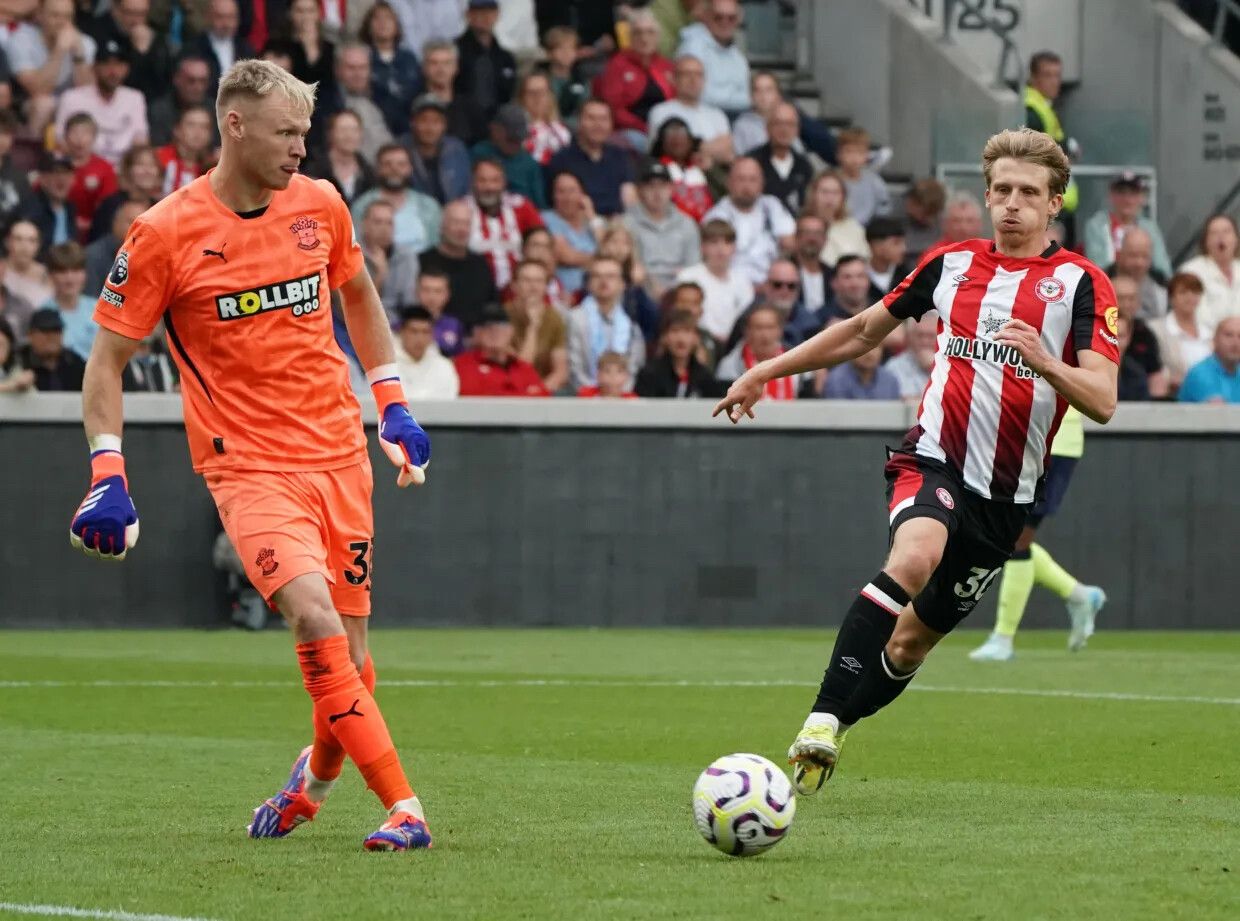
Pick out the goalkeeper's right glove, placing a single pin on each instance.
(106, 523)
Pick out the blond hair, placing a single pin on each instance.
(257, 79)
(1029, 146)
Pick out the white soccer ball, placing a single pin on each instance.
(743, 804)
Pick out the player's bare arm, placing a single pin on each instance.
(366, 321)
(1091, 388)
(102, 409)
(830, 347)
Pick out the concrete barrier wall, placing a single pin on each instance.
(581, 513)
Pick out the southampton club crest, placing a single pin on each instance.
(304, 229)
(1049, 289)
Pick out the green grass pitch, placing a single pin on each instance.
(556, 768)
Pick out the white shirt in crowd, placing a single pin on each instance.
(1180, 351)
(909, 373)
(725, 298)
(757, 233)
(813, 289)
(432, 378)
(224, 50)
(881, 280)
(704, 121)
(1221, 297)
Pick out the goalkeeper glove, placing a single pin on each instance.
(106, 523)
(402, 439)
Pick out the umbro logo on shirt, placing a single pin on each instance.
(960, 280)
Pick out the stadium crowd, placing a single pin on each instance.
(624, 209)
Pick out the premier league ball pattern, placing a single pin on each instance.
(743, 804)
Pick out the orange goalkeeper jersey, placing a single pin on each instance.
(246, 303)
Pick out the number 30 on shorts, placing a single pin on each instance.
(976, 584)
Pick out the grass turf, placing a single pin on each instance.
(571, 800)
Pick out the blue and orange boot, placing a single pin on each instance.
(287, 809)
(403, 831)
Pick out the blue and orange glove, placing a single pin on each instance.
(106, 523)
(402, 439)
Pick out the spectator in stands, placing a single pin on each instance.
(119, 112)
(912, 366)
(190, 82)
(14, 187)
(547, 134)
(127, 22)
(538, 245)
(466, 118)
(184, 160)
(886, 266)
(1143, 344)
(140, 180)
(604, 169)
(763, 225)
(713, 42)
(498, 220)
(418, 216)
(55, 367)
(782, 292)
(563, 71)
(676, 148)
(395, 74)
(441, 167)
(1182, 339)
(47, 59)
(827, 199)
(434, 292)
(613, 379)
(867, 193)
(314, 57)
(66, 266)
(595, 22)
(1133, 381)
(572, 223)
(351, 91)
(600, 325)
(850, 289)
(705, 122)
(424, 372)
(962, 219)
(786, 174)
(617, 243)
(540, 333)
(102, 252)
(490, 369)
(14, 377)
(150, 370)
(1106, 230)
(688, 296)
(673, 16)
(666, 240)
(636, 79)
(394, 269)
(763, 340)
(815, 275)
(425, 21)
(488, 72)
(749, 131)
(923, 210)
(221, 44)
(676, 372)
(93, 177)
(1133, 258)
(1216, 379)
(1041, 92)
(509, 129)
(469, 274)
(49, 208)
(342, 164)
(1218, 267)
(726, 288)
(863, 378)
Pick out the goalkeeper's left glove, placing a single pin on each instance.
(105, 525)
(402, 439)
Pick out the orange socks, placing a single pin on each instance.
(347, 719)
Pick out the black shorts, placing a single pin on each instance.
(981, 534)
(1054, 488)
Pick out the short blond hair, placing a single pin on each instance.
(257, 79)
(1029, 146)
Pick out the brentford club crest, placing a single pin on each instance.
(945, 497)
(1049, 289)
(304, 229)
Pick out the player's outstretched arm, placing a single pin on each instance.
(832, 346)
(1091, 387)
(402, 439)
(106, 522)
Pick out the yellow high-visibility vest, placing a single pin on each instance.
(1050, 124)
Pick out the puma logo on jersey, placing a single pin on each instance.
(300, 295)
(993, 352)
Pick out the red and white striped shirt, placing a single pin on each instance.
(498, 236)
(984, 412)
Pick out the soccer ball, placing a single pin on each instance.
(743, 804)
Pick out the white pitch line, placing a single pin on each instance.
(603, 683)
(68, 911)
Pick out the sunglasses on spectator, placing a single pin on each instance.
(790, 285)
(727, 17)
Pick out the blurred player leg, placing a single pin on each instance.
(1083, 601)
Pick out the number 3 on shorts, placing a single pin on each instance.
(976, 584)
(362, 548)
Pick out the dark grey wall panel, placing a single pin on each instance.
(624, 527)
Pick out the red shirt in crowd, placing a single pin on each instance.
(498, 236)
(93, 181)
(482, 377)
(177, 172)
(632, 89)
(593, 392)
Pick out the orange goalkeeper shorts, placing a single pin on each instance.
(285, 525)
